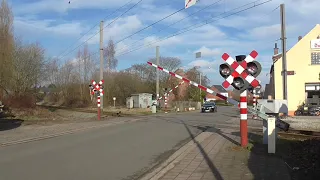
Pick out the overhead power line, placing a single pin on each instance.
(94, 27)
(102, 28)
(150, 25)
(192, 27)
(214, 3)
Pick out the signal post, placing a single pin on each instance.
(97, 88)
(241, 73)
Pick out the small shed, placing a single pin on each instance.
(141, 100)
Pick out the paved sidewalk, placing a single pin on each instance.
(220, 157)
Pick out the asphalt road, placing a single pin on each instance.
(109, 153)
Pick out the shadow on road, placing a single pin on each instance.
(203, 129)
(218, 131)
(232, 116)
(8, 124)
(212, 167)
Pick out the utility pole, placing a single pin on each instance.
(101, 60)
(198, 55)
(157, 84)
(284, 51)
(200, 89)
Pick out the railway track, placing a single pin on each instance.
(301, 133)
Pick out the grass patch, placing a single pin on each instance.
(300, 153)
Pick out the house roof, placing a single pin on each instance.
(219, 88)
(276, 57)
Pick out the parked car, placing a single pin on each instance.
(1, 107)
(209, 107)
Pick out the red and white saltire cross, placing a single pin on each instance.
(172, 89)
(239, 69)
(97, 87)
(232, 101)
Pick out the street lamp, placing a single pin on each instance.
(114, 101)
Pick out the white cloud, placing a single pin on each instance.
(203, 63)
(208, 52)
(121, 28)
(264, 32)
(153, 41)
(49, 27)
(154, 13)
(61, 6)
(206, 32)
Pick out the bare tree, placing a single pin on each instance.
(28, 67)
(80, 62)
(109, 54)
(193, 92)
(52, 71)
(6, 46)
(86, 59)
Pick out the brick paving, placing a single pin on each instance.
(217, 157)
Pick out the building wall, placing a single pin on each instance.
(129, 102)
(182, 89)
(211, 96)
(298, 60)
(135, 100)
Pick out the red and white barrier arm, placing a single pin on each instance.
(171, 90)
(232, 101)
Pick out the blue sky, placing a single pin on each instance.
(56, 25)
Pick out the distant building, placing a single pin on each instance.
(182, 90)
(303, 66)
(219, 89)
(141, 100)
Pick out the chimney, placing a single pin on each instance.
(299, 38)
(276, 49)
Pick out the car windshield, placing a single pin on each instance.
(209, 104)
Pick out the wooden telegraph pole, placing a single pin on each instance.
(101, 60)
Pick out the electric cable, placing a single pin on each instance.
(93, 28)
(173, 23)
(102, 28)
(192, 27)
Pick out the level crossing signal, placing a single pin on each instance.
(241, 73)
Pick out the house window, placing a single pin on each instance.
(315, 58)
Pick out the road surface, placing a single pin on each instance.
(117, 152)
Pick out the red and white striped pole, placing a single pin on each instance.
(99, 108)
(165, 102)
(243, 119)
(170, 91)
(254, 102)
(99, 90)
